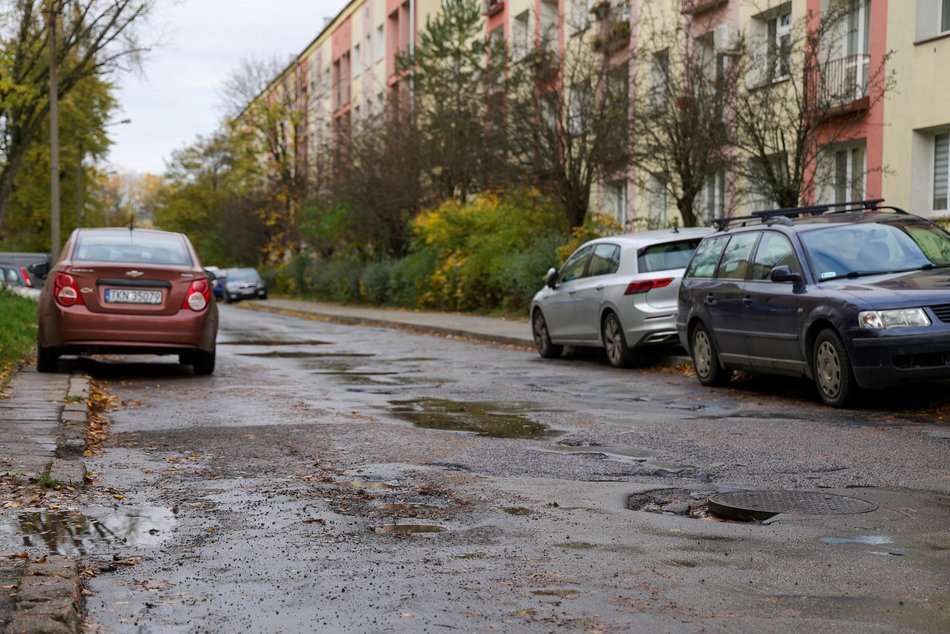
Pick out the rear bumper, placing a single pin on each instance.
(77, 330)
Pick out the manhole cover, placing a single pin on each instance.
(761, 505)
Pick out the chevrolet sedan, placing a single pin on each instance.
(617, 293)
(131, 291)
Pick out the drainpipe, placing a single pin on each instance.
(412, 50)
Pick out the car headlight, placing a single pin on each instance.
(901, 318)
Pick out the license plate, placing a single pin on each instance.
(129, 296)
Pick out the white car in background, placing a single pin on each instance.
(618, 293)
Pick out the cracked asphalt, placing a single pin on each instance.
(335, 477)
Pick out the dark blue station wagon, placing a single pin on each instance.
(852, 296)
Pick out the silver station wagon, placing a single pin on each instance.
(618, 293)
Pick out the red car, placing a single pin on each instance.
(131, 291)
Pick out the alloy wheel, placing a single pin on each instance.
(828, 369)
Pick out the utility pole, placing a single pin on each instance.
(53, 135)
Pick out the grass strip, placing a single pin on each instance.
(18, 317)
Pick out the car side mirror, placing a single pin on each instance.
(784, 273)
(551, 279)
(39, 269)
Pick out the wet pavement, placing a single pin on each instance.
(332, 477)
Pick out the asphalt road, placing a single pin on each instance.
(343, 478)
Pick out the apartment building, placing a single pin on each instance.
(896, 147)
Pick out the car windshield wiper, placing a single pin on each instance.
(930, 266)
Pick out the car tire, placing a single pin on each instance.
(263, 295)
(47, 359)
(203, 363)
(705, 358)
(227, 298)
(542, 339)
(615, 342)
(834, 376)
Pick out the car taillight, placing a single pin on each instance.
(66, 291)
(198, 295)
(26, 276)
(642, 286)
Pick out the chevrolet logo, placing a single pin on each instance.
(134, 273)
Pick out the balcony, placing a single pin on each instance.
(491, 7)
(699, 6)
(843, 84)
(612, 37)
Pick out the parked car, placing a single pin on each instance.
(217, 283)
(243, 283)
(128, 291)
(852, 296)
(17, 280)
(618, 293)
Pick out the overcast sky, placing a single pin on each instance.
(202, 42)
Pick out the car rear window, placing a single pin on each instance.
(133, 247)
(666, 256)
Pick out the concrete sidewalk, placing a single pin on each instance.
(516, 332)
(43, 424)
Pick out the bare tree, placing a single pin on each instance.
(681, 136)
(568, 112)
(805, 86)
(95, 37)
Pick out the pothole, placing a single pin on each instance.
(66, 533)
(682, 502)
(485, 419)
(408, 507)
(619, 453)
(364, 484)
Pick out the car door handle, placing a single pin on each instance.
(571, 293)
(711, 300)
(599, 288)
(747, 300)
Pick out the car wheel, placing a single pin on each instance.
(615, 343)
(705, 358)
(542, 340)
(264, 295)
(227, 298)
(47, 359)
(203, 362)
(832, 367)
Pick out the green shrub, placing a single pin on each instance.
(409, 278)
(375, 282)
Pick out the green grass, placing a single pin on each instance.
(18, 317)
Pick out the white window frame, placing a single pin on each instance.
(714, 196)
(380, 42)
(844, 163)
(659, 202)
(357, 60)
(521, 35)
(580, 16)
(615, 199)
(779, 27)
(942, 161)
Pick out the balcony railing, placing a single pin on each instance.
(491, 7)
(698, 6)
(844, 81)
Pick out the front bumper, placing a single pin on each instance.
(886, 361)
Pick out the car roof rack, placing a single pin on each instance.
(784, 215)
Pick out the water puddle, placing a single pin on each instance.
(623, 454)
(295, 354)
(410, 529)
(66, 533)
(484, 419)
(408, 507)
(364, 484)
(871, 540)
(271, 342)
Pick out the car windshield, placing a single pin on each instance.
(242, 275)
(870, 248)
(132, 247)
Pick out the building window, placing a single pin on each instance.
(945, 16)
(941, 171)
(521, 35)
(849, 174)
(658, 202)
(713, 197)
(660, 80)
(580, 15)
(615, 201)
(549, 25)
(780, 44)
(357, 60)
(380, 42)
